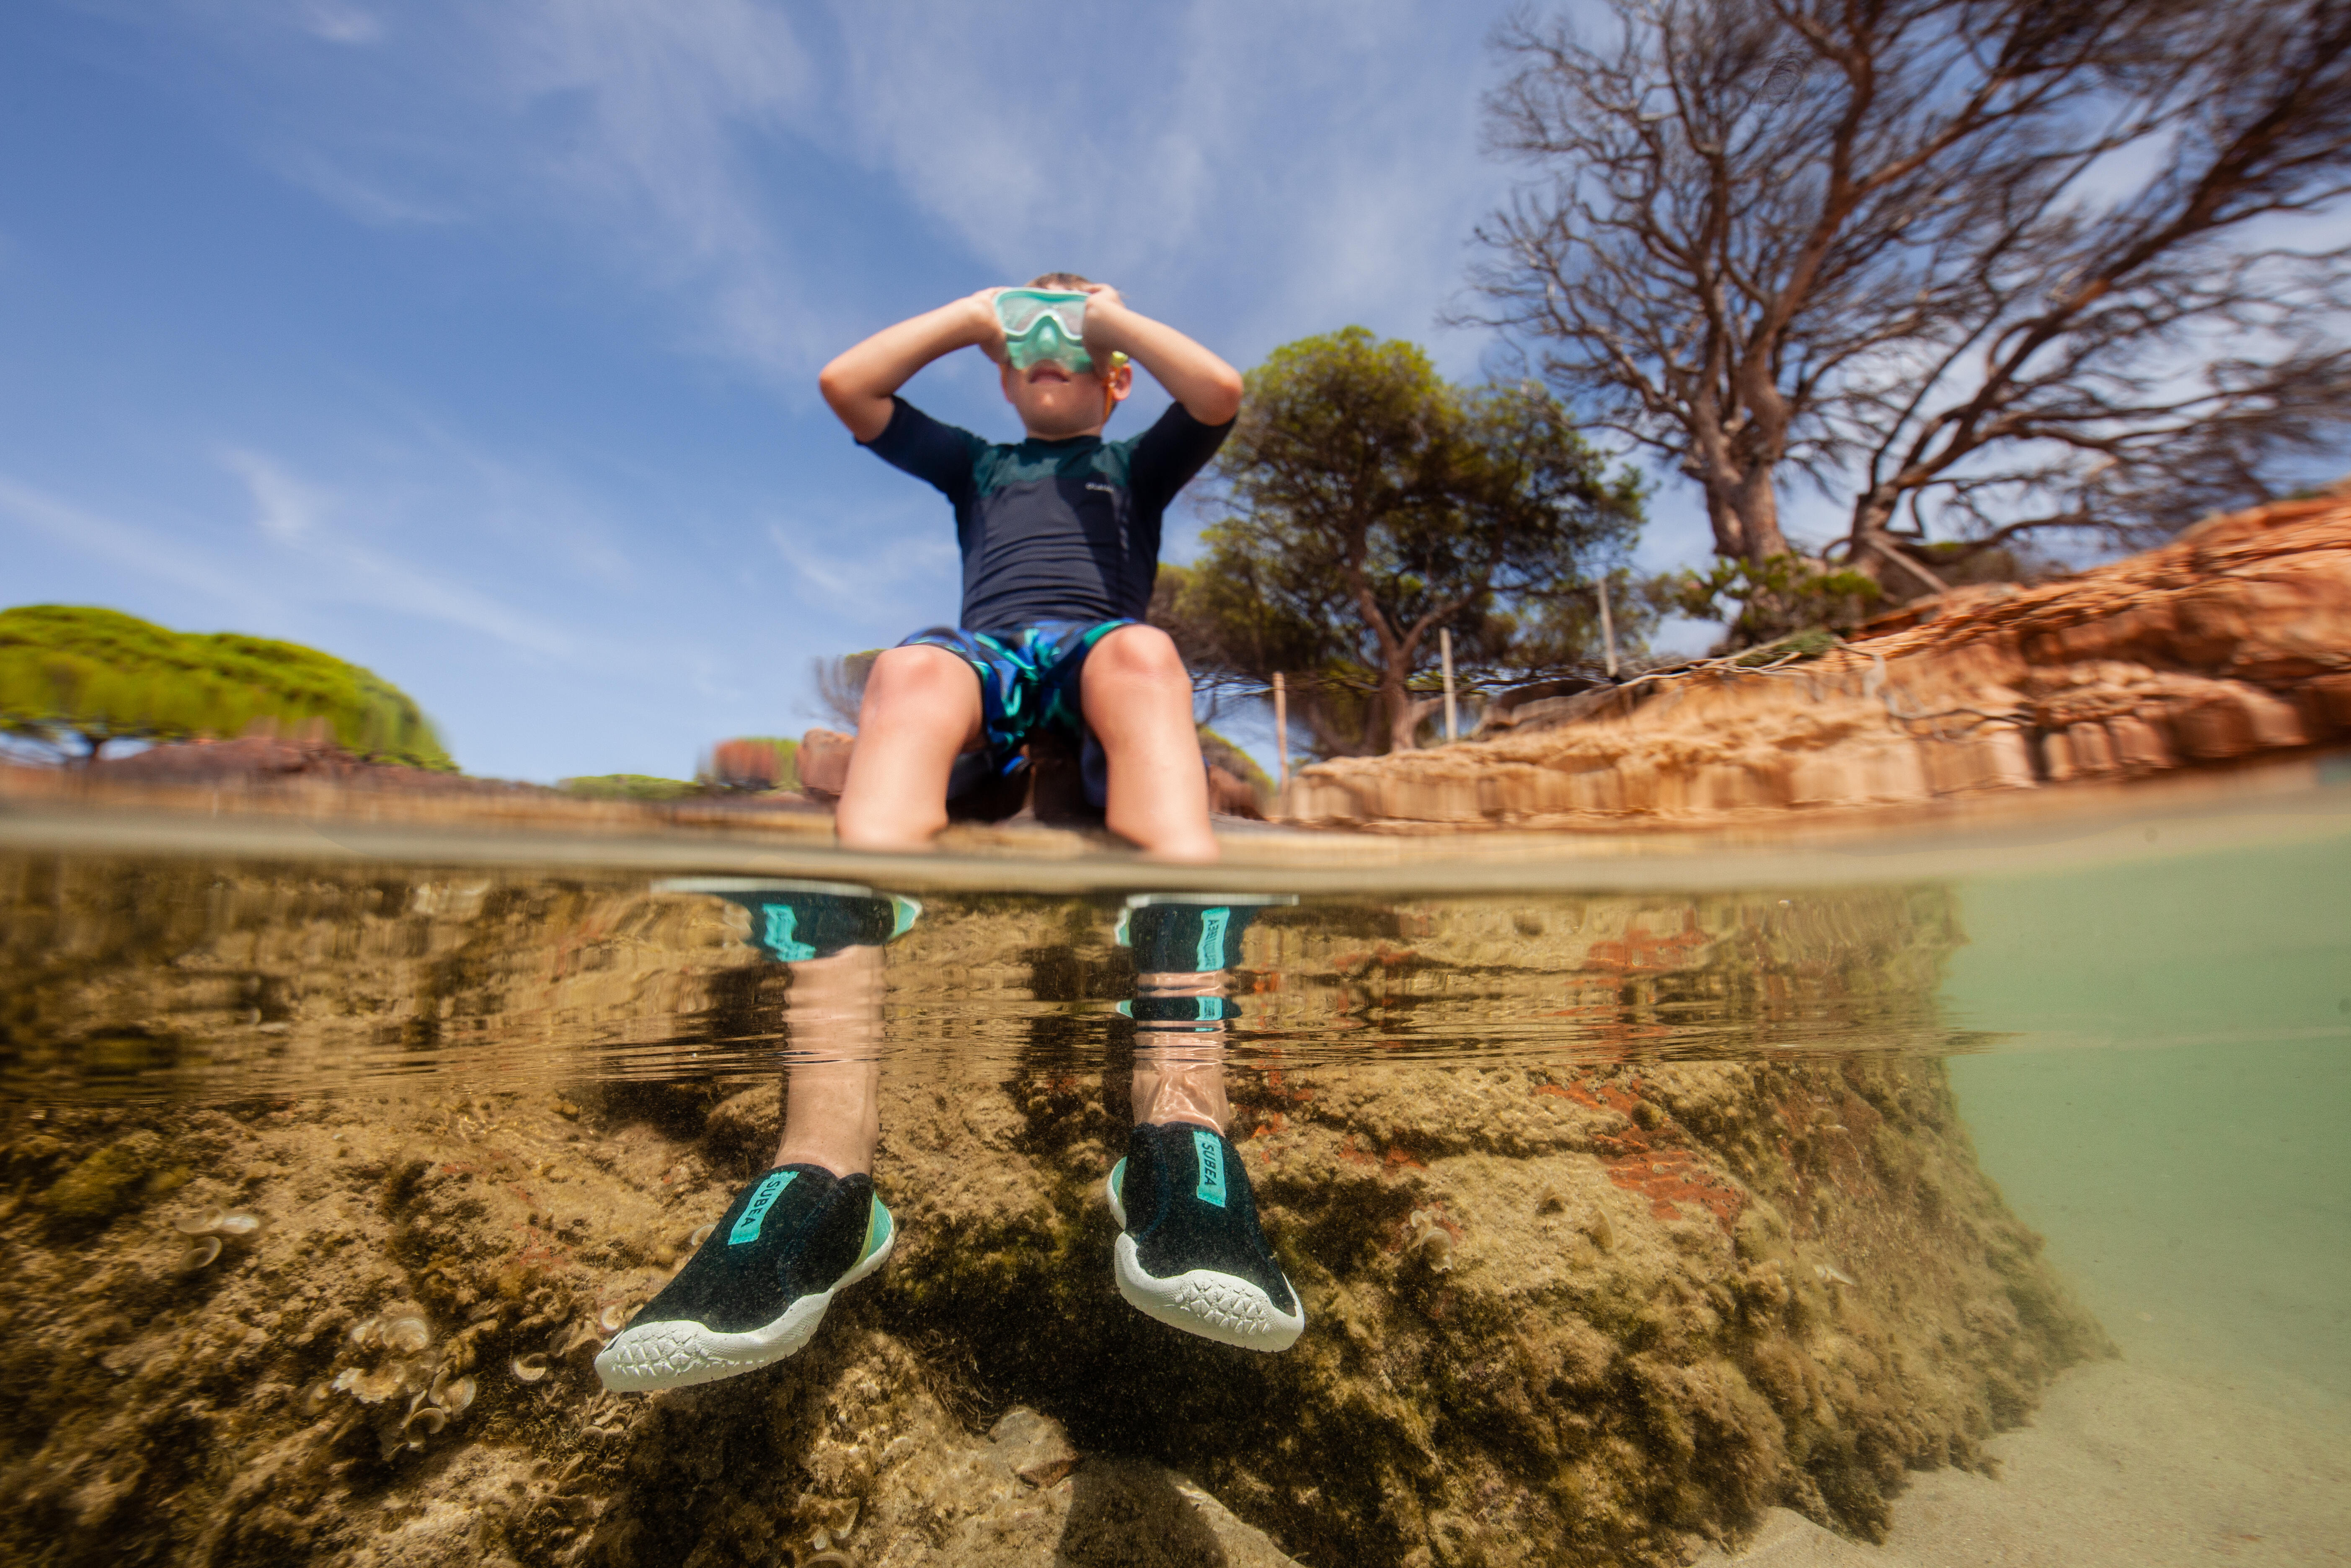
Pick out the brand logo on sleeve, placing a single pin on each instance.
(754, 1213)
(1210, 1150)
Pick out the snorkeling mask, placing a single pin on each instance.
(1042, 324)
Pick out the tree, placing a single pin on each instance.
(1372, 503)
(1988, 266)
(78, 675)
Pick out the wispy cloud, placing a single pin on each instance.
(284, 507)
(292, 512)
(126, 547)
(1265, 169)
(870, 581)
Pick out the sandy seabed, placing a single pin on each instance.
(2122, 1465)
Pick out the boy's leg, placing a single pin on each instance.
(832, 1112)
(757, 1286)
(1137, 699)
(922, 710)
(1179, 1075)
(1191, 1253)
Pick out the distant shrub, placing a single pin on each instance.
(754, 762)
(628, 787)
(79, 673)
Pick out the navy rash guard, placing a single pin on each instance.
(1054, 530)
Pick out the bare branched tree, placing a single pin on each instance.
(1986, 267)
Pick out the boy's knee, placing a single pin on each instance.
(1139, 653)
(917, 673)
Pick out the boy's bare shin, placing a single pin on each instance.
(1179, 1072)
(1138, 702)
(831, 1096)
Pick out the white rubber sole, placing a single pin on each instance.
(1215, 1306)
(644, 1358)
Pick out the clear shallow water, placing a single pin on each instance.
(2151, 1058)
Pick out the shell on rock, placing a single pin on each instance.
(375, 1388)
(834, 1558)
(456, 1397)
(423, 1422)
(570, 1338)
(613, 1316)
(202, 1224)
(702, 1234)
(529, 1368)
(1831, 1271)
(237, 1223)
(198, 1252)
(407, 1335)
(364, 1333)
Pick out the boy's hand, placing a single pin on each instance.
(1105, 307)
(1209, 390)
(988, 326)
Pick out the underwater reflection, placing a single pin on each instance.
(121, 976)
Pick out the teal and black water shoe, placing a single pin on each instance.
(793, 922)
(1190, 1251)
(759, 1284)
(1190, 933)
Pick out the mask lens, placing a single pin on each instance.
(1019, 310)
(1042, 325)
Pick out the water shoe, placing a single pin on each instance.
(1189, 1252)
(793, 922)
(1189, 933)
(758, 1286)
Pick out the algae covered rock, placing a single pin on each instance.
(106, 1182)
(1577, 1307)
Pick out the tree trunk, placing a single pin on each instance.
(1871, 552)
(1403, 715)
(1744, 509)
(1757, 504)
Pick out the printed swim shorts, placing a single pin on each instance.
(1028, 682)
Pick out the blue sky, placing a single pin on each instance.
(476, 344)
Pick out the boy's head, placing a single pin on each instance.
(1056, 403)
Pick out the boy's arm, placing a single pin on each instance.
(1209, 390)
(861, 383)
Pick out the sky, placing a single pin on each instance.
(477, 344)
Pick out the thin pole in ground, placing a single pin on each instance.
(1281, 727)
(1607, 629)
(1452, 714)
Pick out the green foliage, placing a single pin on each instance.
(1372, 503)
(1767, 600)
(1221, 752)
(77, 673)
(628, 787)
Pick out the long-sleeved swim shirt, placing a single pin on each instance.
(1054, 530)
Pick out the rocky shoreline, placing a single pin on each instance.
(2232, 644)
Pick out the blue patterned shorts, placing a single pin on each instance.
(1028, 682)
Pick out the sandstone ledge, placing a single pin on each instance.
(2231, 643)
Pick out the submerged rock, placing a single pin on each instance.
(1585, 1312)
(106, 1182)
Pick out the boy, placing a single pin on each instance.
(1060, 543)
